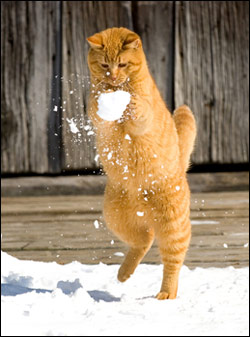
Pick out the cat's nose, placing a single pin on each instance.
(113, 77)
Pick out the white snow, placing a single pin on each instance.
(72, 125)
(90, 133)
(125, 169)
(87, 127)
(127, 137)
(48, 299)
(204, 222)
(140, 213)
(96, 158)
(109, 156)
(119, 254)
(96, 224)
(111, 105)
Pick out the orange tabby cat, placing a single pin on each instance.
(147, 194)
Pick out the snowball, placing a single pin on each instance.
(112, 105)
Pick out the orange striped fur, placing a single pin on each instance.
(147, 195)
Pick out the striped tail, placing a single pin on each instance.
(186, 129)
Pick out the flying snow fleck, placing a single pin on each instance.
(96, 158)
(96, 224)
(118, 254)
(140, 213)
(72, 125)
(127, 137)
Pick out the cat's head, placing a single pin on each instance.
(115, 56)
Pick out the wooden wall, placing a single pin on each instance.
(198, 53)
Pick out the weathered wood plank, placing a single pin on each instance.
(212, 76)
(28, 42)
(108, 256)
(94, 185)
(80, 20)
(62, 229)
(154, 22)
(82, 204)
(83, 235)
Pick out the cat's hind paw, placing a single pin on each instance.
(162, 295)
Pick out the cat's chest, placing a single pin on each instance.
(128, 157)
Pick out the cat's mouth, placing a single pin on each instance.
(116, 83)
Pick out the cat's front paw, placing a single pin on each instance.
(136, 106)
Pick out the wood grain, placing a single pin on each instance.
(212, 76)
(81, 19)
(28, 42)
(198, 53)
(154, 22)
(61, 228)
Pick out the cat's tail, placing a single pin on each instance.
(186, 128)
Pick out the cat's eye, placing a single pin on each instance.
(104, 65)
(122, 65)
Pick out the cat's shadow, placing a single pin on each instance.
(99, 295)
(8, 289)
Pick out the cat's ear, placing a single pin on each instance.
(95, 41)
(132, 41)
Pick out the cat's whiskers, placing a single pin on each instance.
(129, 85)
(100, 82)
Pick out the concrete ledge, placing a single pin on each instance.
(95, 184)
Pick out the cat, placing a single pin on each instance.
(145, 156)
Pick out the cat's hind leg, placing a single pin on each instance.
(135, 254)
(120, 217)
(173, 247)
(186, 129)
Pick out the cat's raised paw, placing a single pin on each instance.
(122, 275)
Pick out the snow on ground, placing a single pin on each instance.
(111, 105)
(48, 299)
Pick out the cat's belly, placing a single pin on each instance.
(140, 207)
(137, 166)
